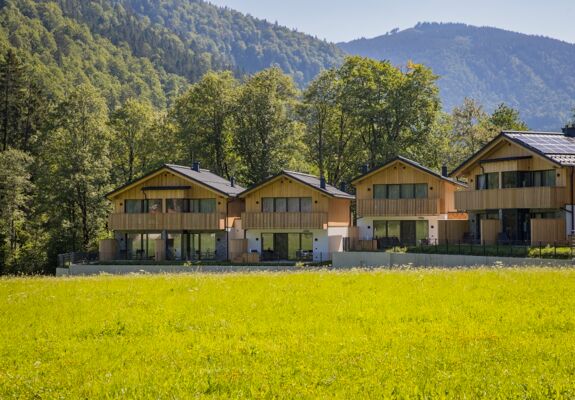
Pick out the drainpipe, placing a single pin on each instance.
(227, 231)
(572, 195)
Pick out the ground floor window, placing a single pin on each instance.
(180, 246)
(392, 232)
(192, 246)
(141, 246)
(287, 246)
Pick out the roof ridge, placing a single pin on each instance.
(535, 132)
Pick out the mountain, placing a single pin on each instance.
(533, 74)
(151, 48)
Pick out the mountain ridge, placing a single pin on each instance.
(529, 72)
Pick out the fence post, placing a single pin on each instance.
(446, 246)
(539, 249)
(554, 249)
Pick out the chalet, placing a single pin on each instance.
(520, 188)
(173, 213)
(403, 202)
(295, 216)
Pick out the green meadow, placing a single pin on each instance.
(481, 333)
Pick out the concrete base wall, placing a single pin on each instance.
(377, 259)
(87, 270)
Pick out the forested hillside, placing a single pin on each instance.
(96, 93)
(531, 73)
(191, 37)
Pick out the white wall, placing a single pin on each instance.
(365, 225)
(335, 236)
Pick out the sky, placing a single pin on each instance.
(344, 20)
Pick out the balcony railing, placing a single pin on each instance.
(397, 208)
(285, 220)
(166, 221)
(528, 197)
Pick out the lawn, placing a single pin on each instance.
(490, 333)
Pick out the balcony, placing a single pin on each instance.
(284, 220)
(166, 221)
(397, 208)
(528, 197)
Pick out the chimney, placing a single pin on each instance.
(569, 130)
(444, 171)
(364, 168)
(322, 183)
(233, 182)
(196, 166)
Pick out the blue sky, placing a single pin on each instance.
(341, 20)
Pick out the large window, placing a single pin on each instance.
(142, 245)
(403, 191)
(286, 246)
(515, 179)
(407, 232)
(286, 204)
(205, 206)
(152, 206)
(134, 206)
(487, 181)
(177, 205)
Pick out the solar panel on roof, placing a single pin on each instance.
(547, 144)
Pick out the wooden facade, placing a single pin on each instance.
(548, 231)
(165, 221)
(164, 185)
(285, 220)
(439, 192)
(506, 155)
(400, 207)
(326, 210)
(527, 197)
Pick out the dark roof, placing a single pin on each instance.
(413, 164)
(554, 146)
(306, 179)
(204, 177)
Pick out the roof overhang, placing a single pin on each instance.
(406, 161)
(153, 174)
(501, 138)
(281, 175)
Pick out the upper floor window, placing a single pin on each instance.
(487, 181)
(177, 206)
(151, 206)
(515, 179)
(403, 191)
(204, 206)
(286, 204)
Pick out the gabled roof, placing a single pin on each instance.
(556, 147)
(306, 179)
(409, 162)
(203, 177)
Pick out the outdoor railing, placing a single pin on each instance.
(527, 197)
(284, 220)
(397, 207)
(165, 221)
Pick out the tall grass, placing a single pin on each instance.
(395, 334)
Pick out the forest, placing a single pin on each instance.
(82, 113)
